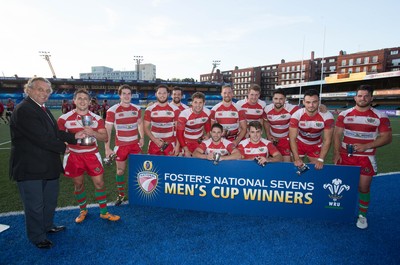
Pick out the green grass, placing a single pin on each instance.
(9, 195)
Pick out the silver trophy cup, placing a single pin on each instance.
(87, 120)
(217, 158)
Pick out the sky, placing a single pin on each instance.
(183, 37)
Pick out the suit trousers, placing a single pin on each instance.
(39, 198)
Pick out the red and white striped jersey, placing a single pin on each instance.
(225, 147)
(193, 125)
(163, 120)
(229, 117)
(253, 112)
(125, 121)
(72, 122)
(181, 107)
(310, 128)
(362, 127)
(251, 150)
(279, 120)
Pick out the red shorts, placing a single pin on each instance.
(124, 151)
(308, 150)
(367, 163)
(76, 165)
(283, 146)
(155, 150)
(192, 146)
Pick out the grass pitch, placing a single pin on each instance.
(9, 195)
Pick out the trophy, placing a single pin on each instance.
(108, 161)
(302, 169)
(257, 160)
(350, 150)
(164, 146)
(87, 120)
(217, 158)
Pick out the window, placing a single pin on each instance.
(358, 69)
(351, 62)
(366, 60)
(358, 61)
(298, 68)
(350, 70)
(343, 62)
(323, 61)
(375, 59)
(373, 68)
(283, 69)
(365, 69)
(293, 68)
(332, 60)
(332, 68)
(394, 52)
(396, 62)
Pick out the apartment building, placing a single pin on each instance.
(312, 69)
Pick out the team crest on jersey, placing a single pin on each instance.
(371, 120)
(319, 124)
(134, 113)
(283, 116)
(261, 149)
(120, 115)
(203, 120)
(350, 119)
(258, 111)
(233, 114)
(169, 113)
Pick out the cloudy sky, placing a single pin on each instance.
(182, 38)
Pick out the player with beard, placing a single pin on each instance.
(276, 122)
(358, 132)
(193, 124)
(177, 93)
(305, 131)
(230, 116)
(85, 158)
(160, 121)
(217, 144)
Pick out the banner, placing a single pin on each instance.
(244, 187)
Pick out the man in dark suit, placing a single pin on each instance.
(36, 146)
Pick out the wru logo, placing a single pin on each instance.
(336, 188)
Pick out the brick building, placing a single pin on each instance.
(306, 70)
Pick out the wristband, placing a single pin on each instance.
(320, 160)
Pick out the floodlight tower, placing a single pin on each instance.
(215, 63)
(46, 56)
(138, 59)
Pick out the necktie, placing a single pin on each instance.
(44, 109)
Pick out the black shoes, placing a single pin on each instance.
(44, 244)
(56, 229)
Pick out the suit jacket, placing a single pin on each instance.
(36, 143)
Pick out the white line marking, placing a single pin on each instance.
(93, 205)
(5, 143)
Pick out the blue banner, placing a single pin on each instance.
(244, 187)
